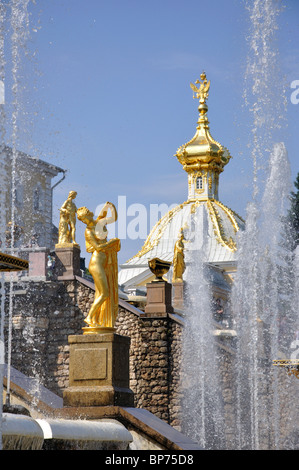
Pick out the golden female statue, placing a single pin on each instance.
(179, 259)
(103, 267)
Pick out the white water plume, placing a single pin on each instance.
(262, 304)
(2, 208)
(20, 26)
(264, 92)
(263, 288)
(201, 404)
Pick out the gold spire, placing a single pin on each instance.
(203, 158)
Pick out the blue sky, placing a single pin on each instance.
(110, 101)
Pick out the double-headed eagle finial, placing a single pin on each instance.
(201, 92)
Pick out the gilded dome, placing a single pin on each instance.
(203, 158)
(219, 224)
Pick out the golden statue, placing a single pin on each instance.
(67, 222)
(202, 92)
(179, 259)
(103, 267)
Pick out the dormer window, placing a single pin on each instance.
(199, 183)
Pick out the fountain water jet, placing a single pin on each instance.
(2, 209)
(262, 292)
(201, 403)
(262, 298)
(18, 24)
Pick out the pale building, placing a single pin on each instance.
(203, 159)
(27, 183)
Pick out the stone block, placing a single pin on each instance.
(178, 294)
(38, 263)
(67, 261)
(159, 301)
(98, 371)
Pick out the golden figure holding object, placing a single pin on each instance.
(103, 267)
(67, 222)
(179, 259)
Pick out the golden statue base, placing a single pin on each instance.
(66, 245)
(89, 330)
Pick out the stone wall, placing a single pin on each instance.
(153, 375)
(227, 378)
(45, 313)
(154, 356)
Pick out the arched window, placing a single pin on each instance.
(38, 198)
(199, 184)
(18, 195)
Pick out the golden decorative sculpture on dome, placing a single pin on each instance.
(202, 157)
(179, 259)
(201, 92)
(67, 222)
(103, 267)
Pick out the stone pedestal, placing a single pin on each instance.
(98, 371)
(178, 294)
(159, 299)
(67, 261)
(38, 263)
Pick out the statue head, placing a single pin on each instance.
(72, 194)
(84, 214)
